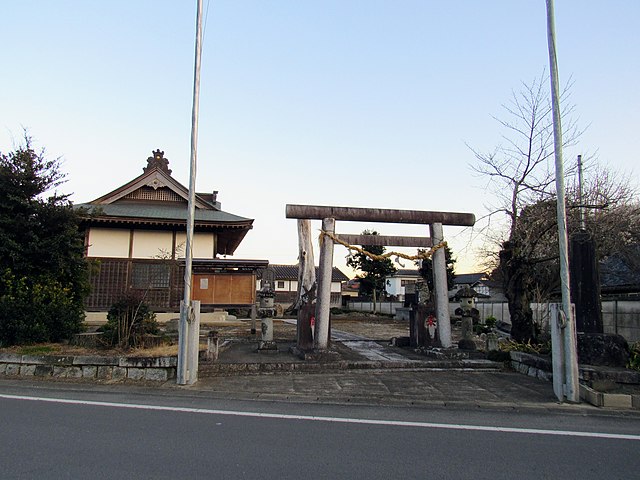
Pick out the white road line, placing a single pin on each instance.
(361, 421)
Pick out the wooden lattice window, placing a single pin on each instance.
(150, 275)
(157, 194)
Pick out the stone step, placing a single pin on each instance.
(206, 369)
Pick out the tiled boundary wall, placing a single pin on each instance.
(89, 367)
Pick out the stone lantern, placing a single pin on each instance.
(467, 310)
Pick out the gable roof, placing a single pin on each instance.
(155, 178)
(290, 272)
(155, 199)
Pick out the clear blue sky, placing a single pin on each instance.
(354, 103)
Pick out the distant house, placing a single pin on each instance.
(351, 288)
(135, 236)
(396, 283)
(620, 273)
(286, 283)
(478, 281)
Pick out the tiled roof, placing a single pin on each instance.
(290, 272)
(160, 211)
(621, 270)
(155, 199)
(406, 272)
(469, 278)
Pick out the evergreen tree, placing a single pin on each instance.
(43, 273)
(425, 268)
(372, 281)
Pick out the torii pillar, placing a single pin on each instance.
(441, 292)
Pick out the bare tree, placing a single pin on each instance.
(520, 172)
(522, 176)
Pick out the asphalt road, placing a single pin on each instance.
(52, 431)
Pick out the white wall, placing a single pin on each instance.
(382, 307)
(203, 245)
(108, 242)
(152, 244)
(394, 286)
(292, 286)
(289, 286)
(114, 243)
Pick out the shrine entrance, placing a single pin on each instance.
(329, 215)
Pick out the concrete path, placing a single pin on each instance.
(374, 351)
(456, 388)
(362, 346)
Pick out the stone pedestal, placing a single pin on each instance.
(466, 342)
(491, 342)
(267, 343)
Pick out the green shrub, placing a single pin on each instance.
(128, 321)
(486, 327)
(42, 311)
(634, 357)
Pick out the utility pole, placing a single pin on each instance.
(189, 317)
(583, 225)
(567, 331)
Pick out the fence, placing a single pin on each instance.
(622, 317)
(618, 316)
(381, 307)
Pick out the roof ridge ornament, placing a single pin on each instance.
(157, 160)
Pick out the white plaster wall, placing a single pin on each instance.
(289, 286)
(336, 287)
(108, 242)
(203, 245)
(394, 286)
(152, 244)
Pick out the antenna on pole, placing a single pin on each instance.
(189, 326)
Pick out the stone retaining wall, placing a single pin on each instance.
(531, 365)
(89, 367)
(540, 367)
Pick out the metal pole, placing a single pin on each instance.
(571, 362)
(185, 312)
(580, 200)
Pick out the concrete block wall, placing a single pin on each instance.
(622, 317)
(618, 316)
(89, 367)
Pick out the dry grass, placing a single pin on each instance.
(368, 326)
(72, 350)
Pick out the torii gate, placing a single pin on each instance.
(329, 215)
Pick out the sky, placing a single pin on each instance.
(348, 103)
